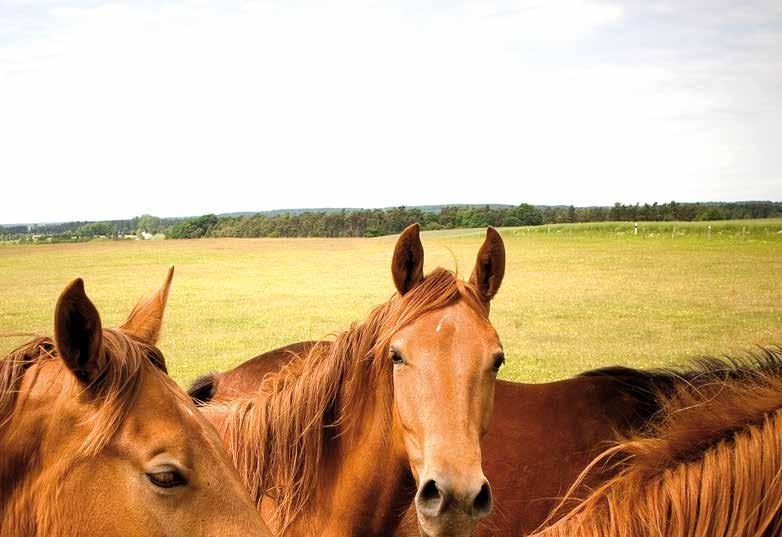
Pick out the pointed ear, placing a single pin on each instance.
(146, 319)
(407, 266)
(78, 333)
(489, 266)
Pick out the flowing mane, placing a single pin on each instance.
(278, 439)
(116, 389)
(710, 465)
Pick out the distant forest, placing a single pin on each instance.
(376, 222)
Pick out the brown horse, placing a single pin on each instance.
(339, 441)
(711, 466)
(542, 436)
(96, 439)
(540, 439)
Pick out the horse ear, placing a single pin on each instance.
(78, 333)
(407, 266)
(146, 319)
(489, 266)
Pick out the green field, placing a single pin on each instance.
(574, 297)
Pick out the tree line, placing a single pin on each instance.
(355, 223)
(376, 222)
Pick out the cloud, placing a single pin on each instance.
(192, 107)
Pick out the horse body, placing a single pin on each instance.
(541, 437)
(96, 439)
(544, 436)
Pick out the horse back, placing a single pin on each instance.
(245, 378)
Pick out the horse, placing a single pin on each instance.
(710, 466)
(341, 439)
(96, 439)
(541, 437)
(579, 416)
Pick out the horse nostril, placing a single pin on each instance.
(429, 500)
(482, 504)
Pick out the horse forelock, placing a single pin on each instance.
(114, 391)
(118, 386)
(279, 438)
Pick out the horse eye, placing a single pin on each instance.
(396, 357)
(166, 480)
(499, 359)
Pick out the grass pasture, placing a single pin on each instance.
(574, 297)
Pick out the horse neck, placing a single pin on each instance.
(366, 485)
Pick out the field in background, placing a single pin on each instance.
(575, 297)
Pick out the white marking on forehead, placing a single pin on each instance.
(440, 324)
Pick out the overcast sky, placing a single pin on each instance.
(113, 109)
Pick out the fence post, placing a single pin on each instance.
(635, 229)
(708, 236)
(673, 232)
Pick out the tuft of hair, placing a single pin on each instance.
(13, 368)
(203, 389)
(118, 386)
(278, 439)
(710, 466)
(115, 390)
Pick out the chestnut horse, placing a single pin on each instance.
(541, 436)
(96, 439)
(341, 439)
(710, 466)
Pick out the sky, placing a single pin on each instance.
(114, 109)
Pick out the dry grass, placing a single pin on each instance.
(601, 297)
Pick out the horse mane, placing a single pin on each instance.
(650, 388)
(709, 465)
(13, 368)
(116, 388)
(279, 438)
